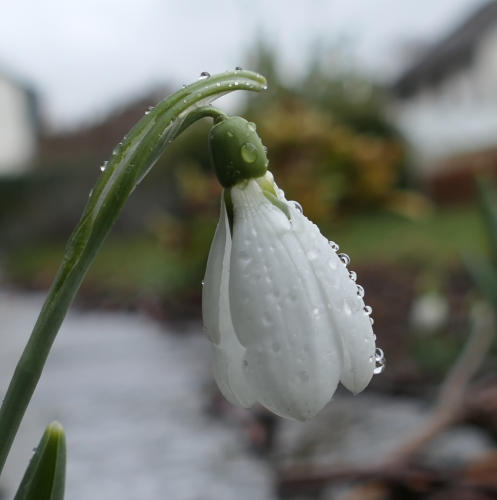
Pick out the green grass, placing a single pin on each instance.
(436, 240)
(124, 266)
(143, 264)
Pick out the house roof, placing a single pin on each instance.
(451, 53)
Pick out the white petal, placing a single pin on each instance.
(293, 361)
(228, 354)
(214, 313)
(228, 361)
(345, 308)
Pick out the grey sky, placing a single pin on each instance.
(84, 57)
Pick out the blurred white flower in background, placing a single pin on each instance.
(429, 312)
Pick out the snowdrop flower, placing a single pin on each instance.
(284, 315)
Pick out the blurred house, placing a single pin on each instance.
(95, 141)
(18, 125)
(446, 103)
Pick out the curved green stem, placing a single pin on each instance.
(206, 111)
(130, 162)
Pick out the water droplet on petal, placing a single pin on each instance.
(252, 126)
(204, 75)
(238, 68)
(346, 308)
(352, 275)
(248, 152)
(360, 291)
(371, 320)
(367, 310)
(267, 320)
(297, 206)
(334, 246)
(202, 282)
(380, 361)
(312, 255)
(344, 258)
(103, 167)
(183, 86)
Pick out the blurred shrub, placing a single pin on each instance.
(325, 164)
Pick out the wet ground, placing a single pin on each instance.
(131, 397)
(136, 400)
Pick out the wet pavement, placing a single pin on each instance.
(132, 399)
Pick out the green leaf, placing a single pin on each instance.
(488, 207)
(484, 275)
(44, 478)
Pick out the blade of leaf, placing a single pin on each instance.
(484, 275)
(488, 207)
(44, 478)
(130, 162)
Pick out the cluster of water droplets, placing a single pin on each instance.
(345, 259)
(379, 357)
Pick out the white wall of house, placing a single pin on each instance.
(457, 115)
(18, 139)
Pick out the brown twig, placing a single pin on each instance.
(397, 468)
(450, 405)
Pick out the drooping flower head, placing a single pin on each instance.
(285, 317)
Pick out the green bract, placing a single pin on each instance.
(237, 151)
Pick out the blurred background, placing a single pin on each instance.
(378, 118)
